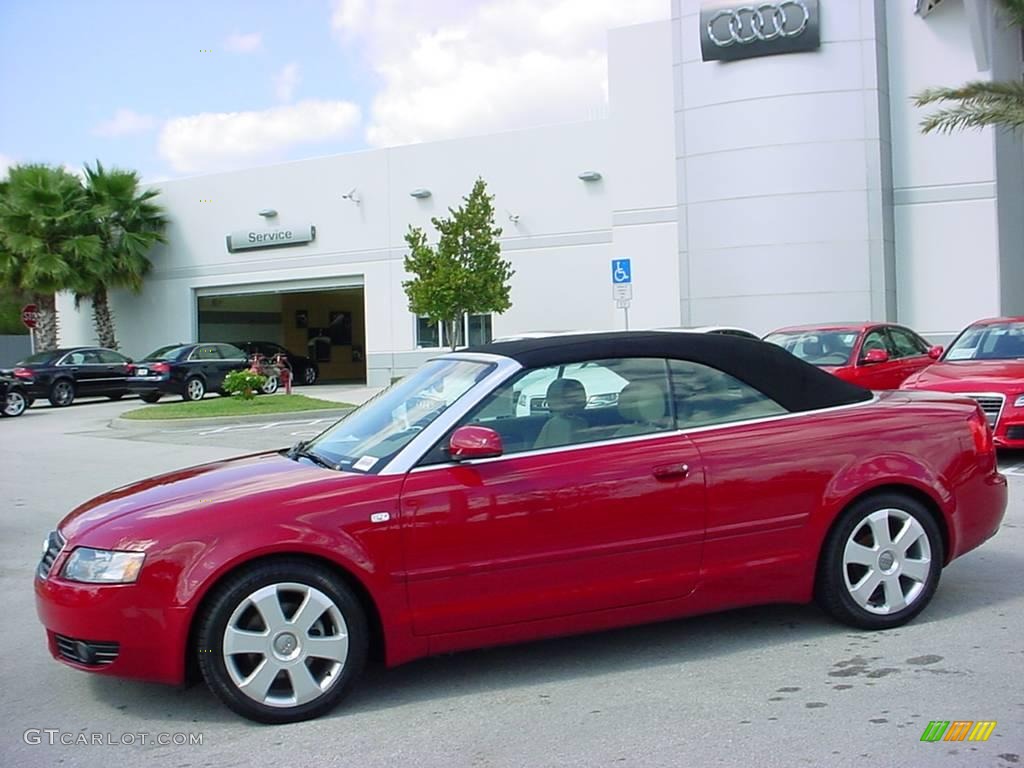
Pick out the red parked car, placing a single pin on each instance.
(439, 516)
(986, 362)
(873, 355)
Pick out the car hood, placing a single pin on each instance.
(971, 376)
(202, 490)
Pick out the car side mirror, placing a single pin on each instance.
(475, 442)
(874, 356)
(935, 353)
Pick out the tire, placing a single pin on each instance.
(62, 393)
(240, 605)
(150, 397)
(310, 375)
(860, 554)
(15, 404)
(195, 389)
(271, 386)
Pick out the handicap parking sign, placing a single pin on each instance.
(621, 271)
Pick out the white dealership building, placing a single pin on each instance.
(785, 188)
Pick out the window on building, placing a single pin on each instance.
(477, 328)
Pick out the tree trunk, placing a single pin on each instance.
(103, 319)
(452, 326)
(46, 327)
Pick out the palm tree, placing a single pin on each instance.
(978, 103)
(46, 239)
(128, 224)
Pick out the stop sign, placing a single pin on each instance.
(30, 315)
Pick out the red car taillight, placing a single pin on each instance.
(984, 443)
(160, 367)
(23, 373)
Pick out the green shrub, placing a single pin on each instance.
(244, 384)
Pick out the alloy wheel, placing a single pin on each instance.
(63, 393)
(309, 375)
(285, 645)
(270, 387)
(887, 561)
(194, 389)
(15, 404)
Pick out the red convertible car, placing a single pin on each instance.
(873, 355)
(439, 516)
(986, 362)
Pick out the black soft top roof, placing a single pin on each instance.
(794, 384)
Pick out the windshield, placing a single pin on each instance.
(165, 353)
(37, 358)
(817, 347)
(998, 341)
(377, 430)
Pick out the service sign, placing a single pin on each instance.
(248, 239)
(731, 30)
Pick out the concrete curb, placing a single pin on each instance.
(143, 425)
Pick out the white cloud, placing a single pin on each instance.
(223, 140)
(285, 82)
(125, 122)
(238, 42)
(451, 69)
(6, 161)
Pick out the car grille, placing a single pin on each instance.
(89, 652)
(992, 405)
(1015, 433)
(55, 543)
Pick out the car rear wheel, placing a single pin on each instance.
(881, 563)
(195, 389)
(15, 403)
(309, 375)
(282, 641)
(62, 393)
(271, 385)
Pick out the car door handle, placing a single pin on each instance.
(671, 471)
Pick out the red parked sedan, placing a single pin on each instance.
(439, 516)
(873, 355)
(986, 362)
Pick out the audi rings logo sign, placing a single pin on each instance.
(729, 31)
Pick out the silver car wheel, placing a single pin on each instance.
(309, 375)
(15, 404)
(285, 645)
(195, 389)
(886, 561)
(63, 392)
(270, 387)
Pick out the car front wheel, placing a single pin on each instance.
(282, 641)
(195, 389)
(881, 563)
(15, 404)
(270, 386)
(309, 375)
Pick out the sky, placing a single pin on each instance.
(173, 89)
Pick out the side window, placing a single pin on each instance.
(907, 344)
(109, 357)
(572, 404)
(877, 339)
(704, 396)
(229, 352)
(205, 352)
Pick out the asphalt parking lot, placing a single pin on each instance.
(777, 686)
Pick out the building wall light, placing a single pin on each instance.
(421, 192)
(268, 213)
(590, 176)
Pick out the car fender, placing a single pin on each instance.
(889, 469)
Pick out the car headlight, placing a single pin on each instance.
(1019, 403)
(103, 566)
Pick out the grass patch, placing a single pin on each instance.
(232, 406)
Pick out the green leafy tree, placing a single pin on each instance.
(47, 239)
(978, 103)
(128, 224)
(464, 273)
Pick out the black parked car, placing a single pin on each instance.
(304, 369)
(61, 375)
(189, 370)
(13, 396)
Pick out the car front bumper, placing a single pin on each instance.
(112, 629)
(1009, 432)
